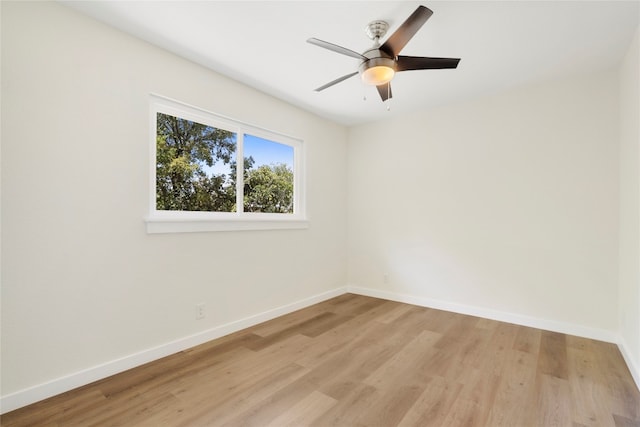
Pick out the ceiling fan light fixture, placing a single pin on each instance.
(377, 71)
(379, 64)
(378, 75)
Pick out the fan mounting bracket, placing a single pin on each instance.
(376, 29)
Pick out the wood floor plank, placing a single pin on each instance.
(553, 405)
(515, 391)
(475, 400)
(552, 359)
(350, 407)
(343, 371)
(591, 400)
(434, 404)
(406, 362)
(391, 406)
(48, 411)
(353, 305)
(621, 421)
(168, 371)
(497, 350)
(361, 361)
(237, 373)
(342, 338)
(402, 379)
(271, 407)
(216, 408)
(132, 411)
(395, 310)
(273, 326)
(305, 411)
(528, 340)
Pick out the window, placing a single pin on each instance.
(268, 176)
(211, 173)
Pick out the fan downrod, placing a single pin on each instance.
(376, 29)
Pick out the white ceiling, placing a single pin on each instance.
(502, 44)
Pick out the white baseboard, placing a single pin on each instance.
(631, 364)
(517, 319)
(60, 385)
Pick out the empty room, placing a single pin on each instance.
(320, 213)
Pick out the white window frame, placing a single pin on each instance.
(159, 221)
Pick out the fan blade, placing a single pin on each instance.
(385, 91)
(336, 48)
(336, 81)
(405, 63)
(406, 31)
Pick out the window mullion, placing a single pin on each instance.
(240, 172)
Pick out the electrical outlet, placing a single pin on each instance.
(385, 278)
(200, 313)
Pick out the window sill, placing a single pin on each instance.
(161, 224)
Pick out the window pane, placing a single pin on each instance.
(195, 166)
(268, 175)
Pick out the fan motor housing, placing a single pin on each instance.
(377, 62)
(375, 58)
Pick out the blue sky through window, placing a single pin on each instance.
(263, 151)
(266, 152)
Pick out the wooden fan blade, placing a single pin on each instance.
(405, 63)
(336, 81)
(406, 31)
(335, 48)
(385, 91)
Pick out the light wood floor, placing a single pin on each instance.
(359, 361)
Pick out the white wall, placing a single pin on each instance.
(82, 283)
(630, 205)
(506, 207)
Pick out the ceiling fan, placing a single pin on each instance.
(381, 62)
